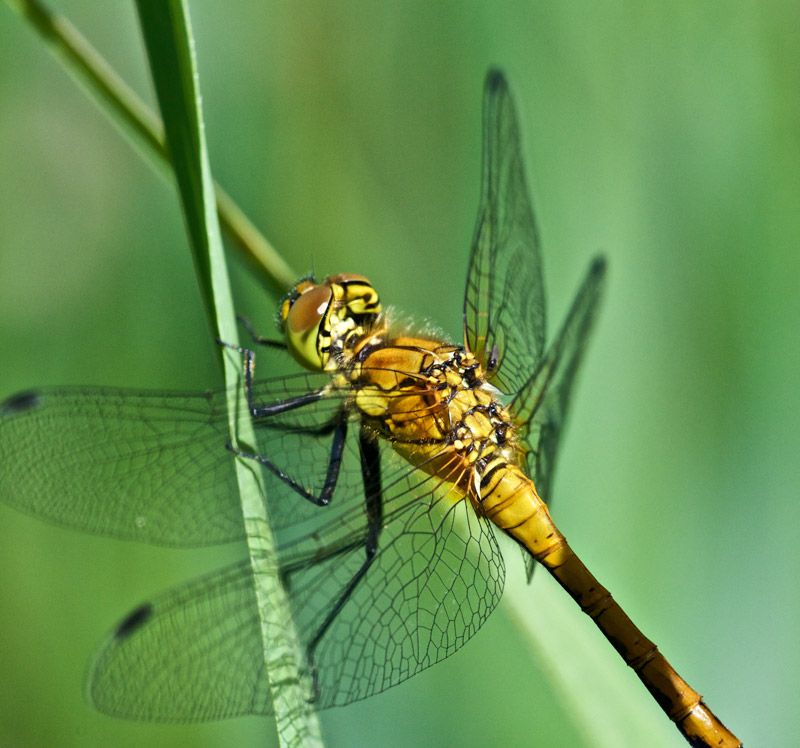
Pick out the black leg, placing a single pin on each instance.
(264, 411)
(334, 463)
(371, 474)
(274, 409)
(257, 339)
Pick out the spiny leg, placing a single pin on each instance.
(371, 475)
(338, 425)
(257, 339)
(339, 429)
(264, 411)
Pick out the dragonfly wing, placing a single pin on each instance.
(191, 655)
(504, 304)
(542, 404)
(437, 575)
(121, 463)
(149, 466)
(195, 653)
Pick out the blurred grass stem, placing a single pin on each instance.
(144, 128)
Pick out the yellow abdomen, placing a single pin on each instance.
(509, 499)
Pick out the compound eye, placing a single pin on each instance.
(308, 314)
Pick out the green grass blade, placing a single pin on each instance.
(169, 45)
(145, 131)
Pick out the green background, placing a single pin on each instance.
(666, 137)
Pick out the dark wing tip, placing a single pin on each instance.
(20, 402)
(598, 267)
(495, 80)
(134, 621)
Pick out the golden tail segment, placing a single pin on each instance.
(512, 503)
(682, 704)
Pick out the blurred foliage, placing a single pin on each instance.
(664, 135)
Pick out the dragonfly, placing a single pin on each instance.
(390, 462)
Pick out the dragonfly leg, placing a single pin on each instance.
(331, 475)
(371, 475)
(257, 339)
(264, 411)
(261, 412)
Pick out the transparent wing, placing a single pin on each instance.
(195, 653)
(541, 405)
(152, 466)
(191, 655)
(438, 575)
(504, 304)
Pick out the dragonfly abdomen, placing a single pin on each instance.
(682, 704)
(509, 499)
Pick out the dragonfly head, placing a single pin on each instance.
(316, 318)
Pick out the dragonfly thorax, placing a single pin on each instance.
(319, 320)
(431, 401)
